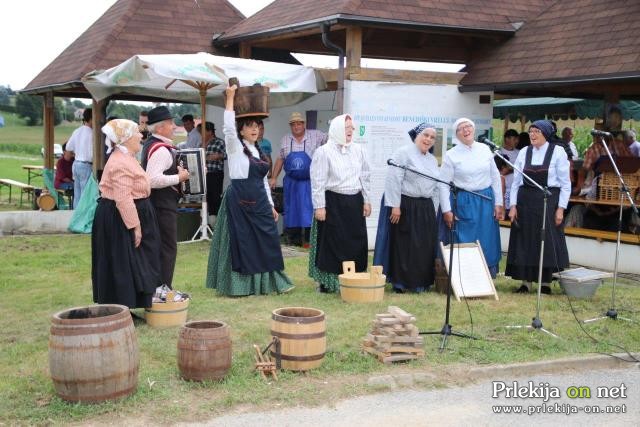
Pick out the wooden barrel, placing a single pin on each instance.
(46, 202)
(302, 335)
(204, 350)
(361, 287)
(252, 101)
(93, 353)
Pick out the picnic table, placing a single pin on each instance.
(33, 171)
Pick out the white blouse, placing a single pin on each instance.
(558, 172)
(470, 168)
(237, 161)
(341, 170)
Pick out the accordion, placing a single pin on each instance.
(192, 159)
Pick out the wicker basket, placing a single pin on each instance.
(609, 185)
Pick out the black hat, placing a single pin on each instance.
(159, 114)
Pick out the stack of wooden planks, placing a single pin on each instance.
(394, 337)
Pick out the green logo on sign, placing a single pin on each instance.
(362, 128)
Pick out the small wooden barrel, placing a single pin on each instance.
(252, 101)
(204, 350)
(167, 314)
(93, 353)
(46, 202)
(302, 335)
(361, 287)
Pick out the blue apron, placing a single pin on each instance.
(298, 210)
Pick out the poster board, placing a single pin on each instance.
(470, 276)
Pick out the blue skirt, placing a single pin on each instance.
(475, 221)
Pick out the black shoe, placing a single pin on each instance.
(521, 290)
(546, 290)
(322, 289)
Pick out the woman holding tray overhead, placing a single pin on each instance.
(340, 195)
(407, 228)
(245, 256)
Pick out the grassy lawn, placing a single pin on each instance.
(15, 136)
(41, 275)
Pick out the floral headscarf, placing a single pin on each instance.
(118, 131)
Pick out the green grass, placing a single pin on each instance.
(41, 275)
(15, 136)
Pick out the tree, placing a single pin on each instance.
(29, 107)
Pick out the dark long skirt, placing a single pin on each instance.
(343, 235)
(412, 244)
(120, 272)
(525, 240)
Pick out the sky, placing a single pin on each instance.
(34, 32)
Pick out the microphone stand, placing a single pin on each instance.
(536, 324)
(446, 330)
(612, 313)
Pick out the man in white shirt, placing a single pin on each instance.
(194, 139)
(81, 144)
(165, 176)
(632, 144)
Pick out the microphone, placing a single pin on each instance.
(392, 163)
(595, 132)
(486, 141)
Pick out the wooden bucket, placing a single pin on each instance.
(302, 335)
(204, 350)
(93, 353)
(361, 287)
(252, 101)
(167, 314)
(46, 202)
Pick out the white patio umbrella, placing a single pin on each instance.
(201, 77)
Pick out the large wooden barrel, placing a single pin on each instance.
(302, 335)
(252, 101)
(93, 353)
(204, 350)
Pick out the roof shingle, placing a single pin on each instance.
(473, 14)
(581, 38)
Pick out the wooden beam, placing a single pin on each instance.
(354, 50)
(48, 125)
(407, 76)
(99, 109)
(245, 50)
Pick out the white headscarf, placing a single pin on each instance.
(119, 131)
(457, 123)
(337, 131)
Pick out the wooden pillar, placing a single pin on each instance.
(48, 125)
(354, 50)
(98, 120)
(245, 50)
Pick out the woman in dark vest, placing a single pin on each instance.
(245, 256)
(547, 164)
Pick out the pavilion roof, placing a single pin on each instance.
(131, 27)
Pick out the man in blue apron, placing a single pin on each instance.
(296, 151)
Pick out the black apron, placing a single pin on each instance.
(342, 236)
(255, 243)
(524, 240)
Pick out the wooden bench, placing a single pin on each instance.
(24, 188)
